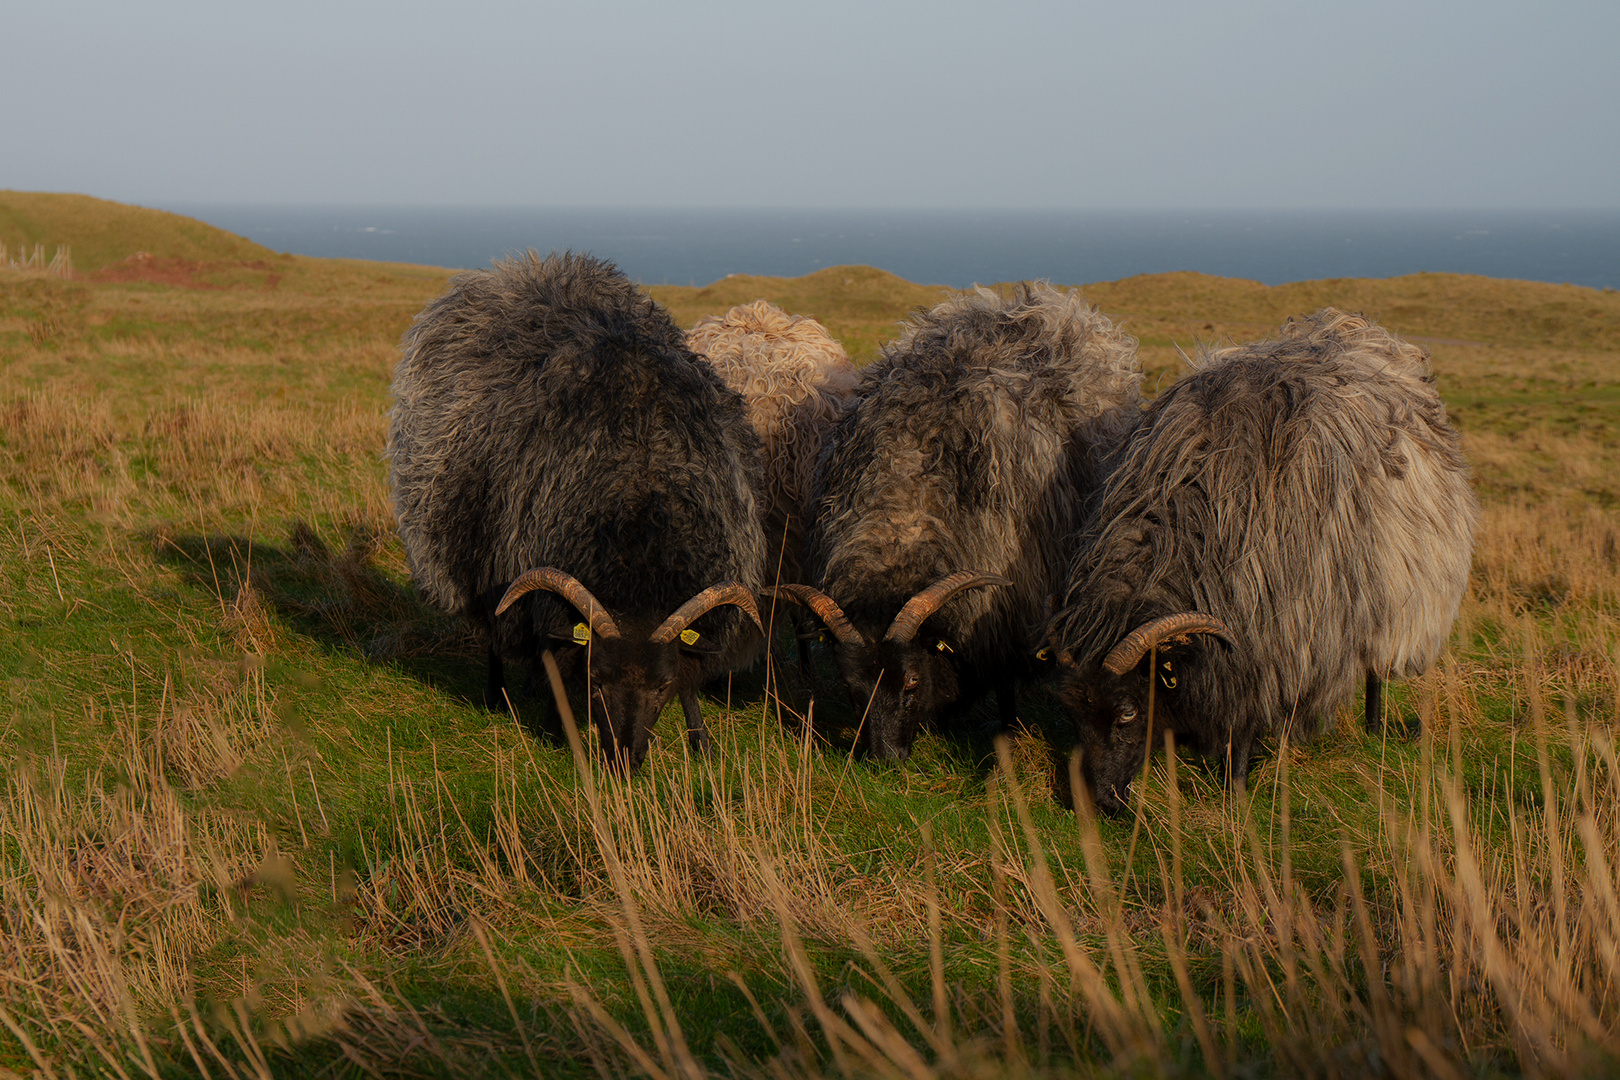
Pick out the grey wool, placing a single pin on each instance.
(549, 414)
(1302, 506)
(946, 492)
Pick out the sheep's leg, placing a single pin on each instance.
(807, 664)
(1007, 700)
(696, 735)
(548, 725)
(495, 685)
(807, 676)
(1237, 763)
(1375, 703)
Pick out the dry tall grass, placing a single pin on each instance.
(1491, 942)
(1491, 938)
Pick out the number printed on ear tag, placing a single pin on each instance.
(582, 633)
(689, 636)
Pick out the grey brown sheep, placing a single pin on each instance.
(945, 495)
(1290, 517)
(554, 436)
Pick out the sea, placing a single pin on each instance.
(958, 247)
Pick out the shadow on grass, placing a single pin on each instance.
(338, 598)
(345, 601)
(352, 603)
(962, 744)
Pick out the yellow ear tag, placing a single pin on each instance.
(582, 633)
(942, 647)
(689, 636)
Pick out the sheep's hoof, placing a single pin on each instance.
(699, 741)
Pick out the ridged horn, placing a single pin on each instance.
(823, 607)
(1128, 653)
(727, 592)
(567, 587)
(931, 599)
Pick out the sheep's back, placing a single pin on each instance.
(972, 445)
(797, 381)
(567, 425)
(1307, 491)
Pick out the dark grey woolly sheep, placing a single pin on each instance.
(965, 461)
(1289, 517)
(552, 433)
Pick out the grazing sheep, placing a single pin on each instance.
(1289, 517)
(797, 381)
(552, 432)
(965, 461)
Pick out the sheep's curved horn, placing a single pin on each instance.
(824, 608)
(1128, 653)
(569, 589)
(931, 599)
(727, 592)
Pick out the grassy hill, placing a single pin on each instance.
(253, 821)
(103, 232)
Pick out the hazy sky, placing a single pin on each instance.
(1174, 103)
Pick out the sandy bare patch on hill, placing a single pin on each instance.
(189, 273)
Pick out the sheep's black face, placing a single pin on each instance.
(1110, 713)
(896, 687)
(630, 683)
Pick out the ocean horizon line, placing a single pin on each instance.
(954, 247)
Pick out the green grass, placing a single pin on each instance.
(248, 769)
(102, 232)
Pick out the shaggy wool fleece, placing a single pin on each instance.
(549, 413)
(975, 443)
(797, 381)
(1310, 493)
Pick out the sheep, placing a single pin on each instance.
(1290, 515)
(797, 381)
(944, 494)
(567, 474)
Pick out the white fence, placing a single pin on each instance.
(60, 265)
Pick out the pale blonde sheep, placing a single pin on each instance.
(797, 380)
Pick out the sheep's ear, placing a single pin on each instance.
(578, 634)
(695, 644)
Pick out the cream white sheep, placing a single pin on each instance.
(797, 381)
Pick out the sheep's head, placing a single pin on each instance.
(633, 671)
(896, 681)
(1123, 705)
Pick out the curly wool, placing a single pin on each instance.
(973, 444)
(549, 413)
(1308, 491)
(797, 381)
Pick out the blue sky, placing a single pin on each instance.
(1162, 103)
